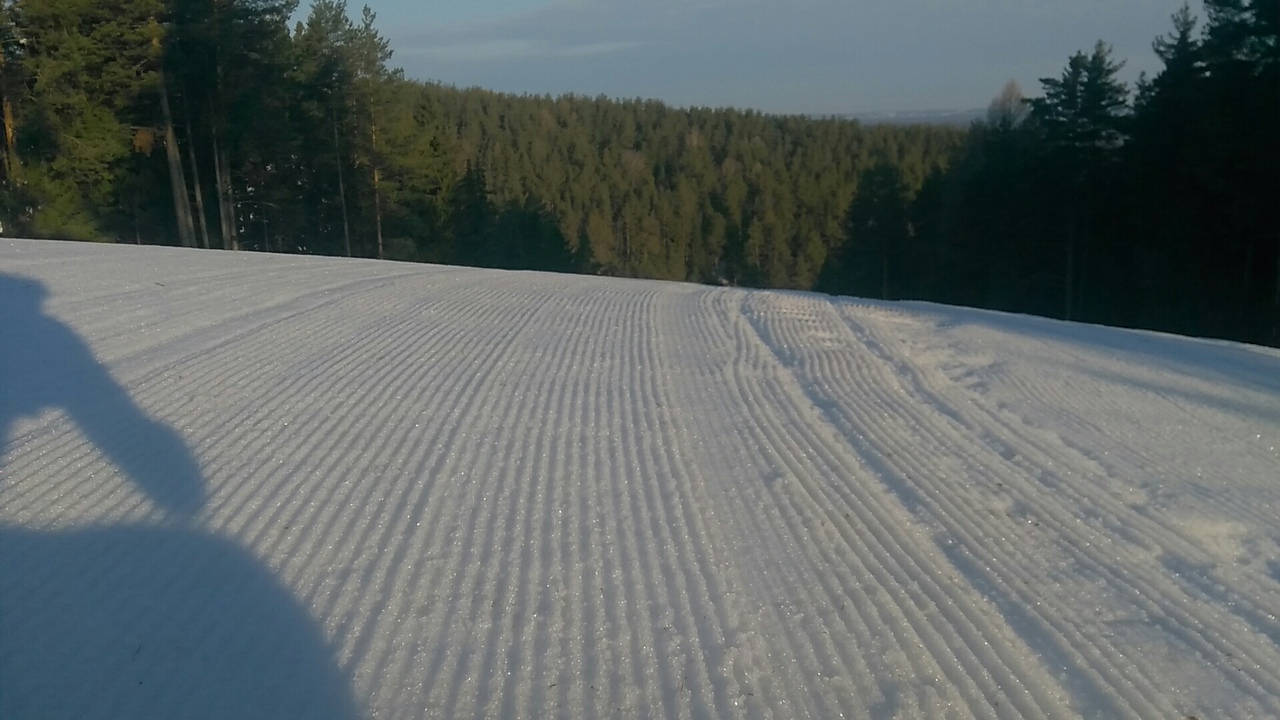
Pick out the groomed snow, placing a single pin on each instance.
(248, 486)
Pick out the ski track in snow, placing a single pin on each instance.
(484, 494)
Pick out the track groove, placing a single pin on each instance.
(442, 492)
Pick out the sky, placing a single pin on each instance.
(783, 56)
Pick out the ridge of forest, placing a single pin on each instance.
(214, 123)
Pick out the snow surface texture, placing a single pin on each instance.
(249, 486)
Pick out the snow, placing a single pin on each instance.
(254, 486)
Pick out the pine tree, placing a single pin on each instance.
(878, 226)
(93, 74)
(1082, 120)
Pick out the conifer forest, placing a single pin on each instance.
(225, 124)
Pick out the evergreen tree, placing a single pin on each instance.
(1169, 196)
(1241, 52)
(878, 226)
(1082, 121)
(472, 219)
(94, 76)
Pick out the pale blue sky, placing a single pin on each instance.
(804, 56)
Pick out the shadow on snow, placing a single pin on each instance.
(139, 621)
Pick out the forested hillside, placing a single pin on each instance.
(263, 137)
(215, 123)
(1153, 206)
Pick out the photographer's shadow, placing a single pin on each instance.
(140, 621)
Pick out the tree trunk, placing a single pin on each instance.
(1275, 300)
(177, 183)
(377, 199)
(225, 160)
(1247, 277)
(195, 177)
(884, 273)
(221, 164)
(1275, 304)
(10, 139)
(1083, 264)
(1069, 283)
(226, 213)
(342, 191)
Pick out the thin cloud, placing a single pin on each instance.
(603, 48)
(486, 51)
(781, 55)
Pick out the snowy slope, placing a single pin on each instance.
(238, 486)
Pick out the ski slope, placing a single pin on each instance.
(249, 486)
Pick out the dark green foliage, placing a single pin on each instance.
(307, 141)
(1163, 215)
(1084, 110)
(1081, 124)
(211, 122)
(643, 190)
(878, 230)
(92, 108)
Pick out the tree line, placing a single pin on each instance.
(214, 123)
(1151, 207)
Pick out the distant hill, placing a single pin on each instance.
(950, 118)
